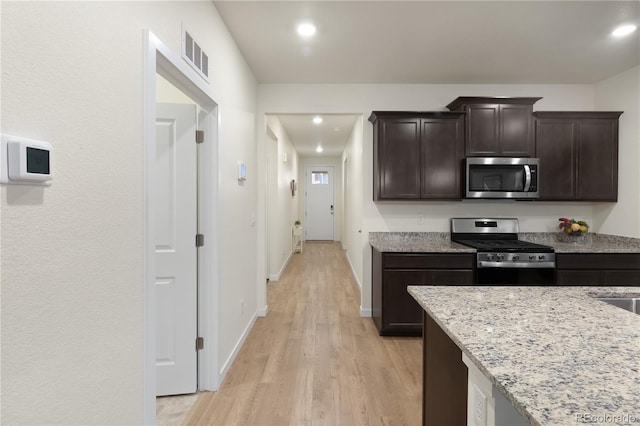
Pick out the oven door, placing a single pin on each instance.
(515, 275)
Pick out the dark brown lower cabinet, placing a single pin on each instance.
(444, 378)
(402, 314)
(394, 311)
(598, 269)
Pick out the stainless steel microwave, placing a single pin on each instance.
(498, 177)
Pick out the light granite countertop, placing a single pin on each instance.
(440, 242)
(555, 352)
(416, 242)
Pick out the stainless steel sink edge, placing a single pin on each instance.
(631, 304)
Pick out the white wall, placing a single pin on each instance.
(323, 160)
(352, 236)
(622, 93)
(403, 216)
(284, 206)
(72, 254)
(168, 93)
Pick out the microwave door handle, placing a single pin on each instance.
(527, 178)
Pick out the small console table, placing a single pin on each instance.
(298, 242)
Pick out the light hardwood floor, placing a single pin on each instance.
(314, 361)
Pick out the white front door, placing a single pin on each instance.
(175, 199)
(319, 202)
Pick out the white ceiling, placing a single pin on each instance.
(398, 42)
(451, 41)
(332, 134)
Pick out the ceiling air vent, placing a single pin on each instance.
(194, 55)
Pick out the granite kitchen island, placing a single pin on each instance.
(558, 355)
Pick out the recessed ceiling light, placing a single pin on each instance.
(317, 119)
(319, 149)
(623, 30)
(306, 29)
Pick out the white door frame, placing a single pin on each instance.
(158, 58)
(270, 197)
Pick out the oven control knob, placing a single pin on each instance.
(532, 257)
(541, 257)
(500, 257)
(515, 257)
(489, 257)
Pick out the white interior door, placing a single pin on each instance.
(319, 202)
(175, 199)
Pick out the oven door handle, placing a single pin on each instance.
(516, 265)
(527, 178)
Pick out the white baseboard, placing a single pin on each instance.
(262, 312)
(236, 349)
(353, 272)
(365, 312)
(281, 271)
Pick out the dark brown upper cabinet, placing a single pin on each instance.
(497, 127)
(417, 155)
(578, 154)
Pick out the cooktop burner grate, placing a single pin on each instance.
(512, 246)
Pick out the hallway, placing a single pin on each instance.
(314, 361)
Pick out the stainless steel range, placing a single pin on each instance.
(503, 259)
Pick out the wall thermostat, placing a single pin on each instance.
(25, 161)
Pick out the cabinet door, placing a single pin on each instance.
(516, 132)
(442, 144)
(556, 148)
(622, 278)
(482, 130)
(581, 277)
(449, 277)
(598, 277)
(444, 378)
(585, 169)
(599, 261)
(400, 312)
(597, 160)
(399, 158)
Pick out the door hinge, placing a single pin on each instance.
(199, 136)
(199, 240)
(199, 343)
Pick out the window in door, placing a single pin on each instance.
(319, 178)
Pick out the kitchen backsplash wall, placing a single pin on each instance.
(434, 217)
